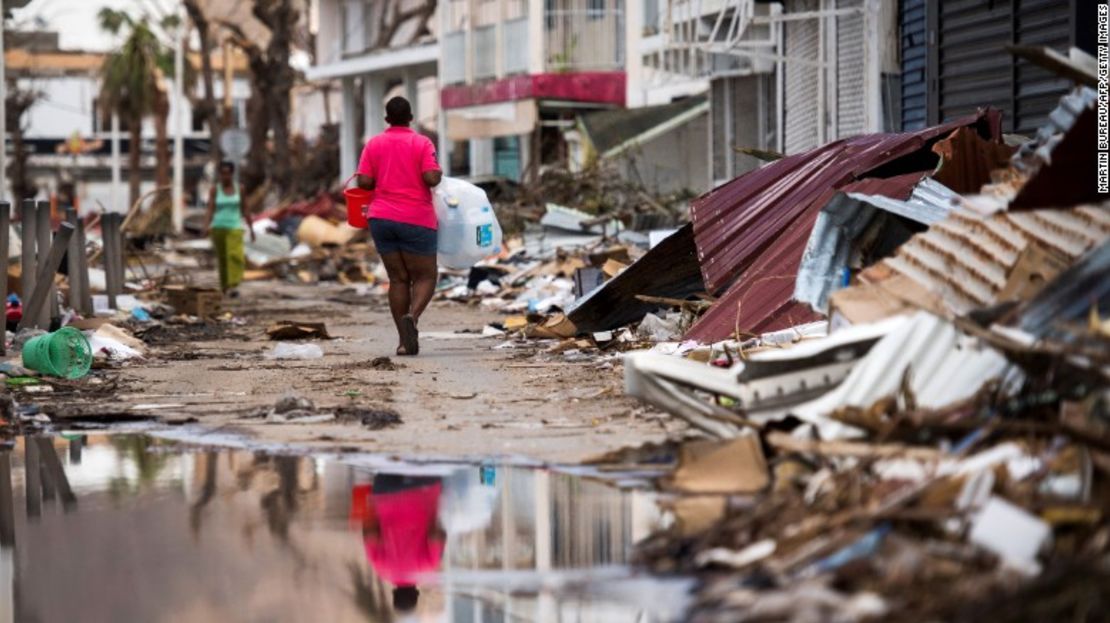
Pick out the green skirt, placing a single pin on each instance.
(230, 256)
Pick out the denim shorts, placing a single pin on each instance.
(392, 237)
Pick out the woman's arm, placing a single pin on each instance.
(432, 178)
(366, 182)
(210, 210)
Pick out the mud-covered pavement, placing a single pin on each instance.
(464, 396)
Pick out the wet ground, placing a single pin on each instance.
(131, 527)
(465, 396)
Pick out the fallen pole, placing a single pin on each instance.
(48, 269)
(5, 228)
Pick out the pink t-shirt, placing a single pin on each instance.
(406, 548)
(396, 159)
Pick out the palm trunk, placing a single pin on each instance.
(134, 158)
(161, 139)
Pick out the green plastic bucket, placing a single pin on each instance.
(64, 353)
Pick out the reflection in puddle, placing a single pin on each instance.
(130, 528)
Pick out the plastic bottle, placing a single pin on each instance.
(468, 227)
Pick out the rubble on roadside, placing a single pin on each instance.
(937, 441)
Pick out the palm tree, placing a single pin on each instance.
(133, 87)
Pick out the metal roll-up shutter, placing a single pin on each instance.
(851, 98)
(1038, 90)
(720, 110)
(915, 103)
(969, 67)
(973, 68)
(800, 84)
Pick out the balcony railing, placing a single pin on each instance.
(583, 35)
(578, 35)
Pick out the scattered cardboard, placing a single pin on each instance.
(317, 232)
(515, 323)
(611, 268)
(89, 324)
(694, 514)
(257, 275)
(293, 330)
(556, 327)
(710, 466)
(193, 301)
(112, 332)
(863, 304)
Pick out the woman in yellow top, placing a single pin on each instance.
(225, 218)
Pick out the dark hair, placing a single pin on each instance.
(404, 598)
(227, 165)
(398, 111)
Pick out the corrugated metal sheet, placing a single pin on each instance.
(966, 258)
(929, 202)
(751, 233)
(735, 223)
(851, 99)
(946, 367)
(668, 270)
(915, 103)
(1068, 297)
(850, 214)
(800, 88)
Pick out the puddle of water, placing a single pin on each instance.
(128, 527)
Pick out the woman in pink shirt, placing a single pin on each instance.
(400, 166)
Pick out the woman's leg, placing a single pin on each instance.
(424, 273)
(219, 249)
(236, 258)
(400, 297)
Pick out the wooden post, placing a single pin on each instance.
(107, 254)
(45, 278)
(121, 268)
(86, 304)
(27, 268)
(73, 265)
(43, 231)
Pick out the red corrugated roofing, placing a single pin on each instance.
(751, 232)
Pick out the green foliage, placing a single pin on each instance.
(131, 75)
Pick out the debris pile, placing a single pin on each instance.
(899, 402)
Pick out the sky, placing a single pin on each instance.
(75, 20)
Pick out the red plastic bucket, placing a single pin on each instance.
(358, 204)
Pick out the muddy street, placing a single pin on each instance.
(573, 311)
(464, 396)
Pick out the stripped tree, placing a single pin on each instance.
(205, 106)
(269, 106)
(17, 103)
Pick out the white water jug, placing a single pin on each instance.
(468, 227)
